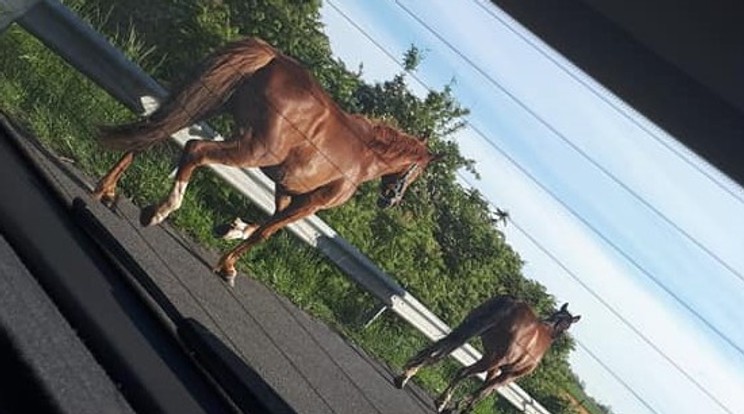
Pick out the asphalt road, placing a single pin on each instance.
(276, 348)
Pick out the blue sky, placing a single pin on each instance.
(541, 114)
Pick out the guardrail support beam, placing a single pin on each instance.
(89, 52)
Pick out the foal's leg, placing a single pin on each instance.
(300, 206)
(105, 190)
(488, 387)
(196, 153)
(481, 365)
(431, 354)
(439, 349)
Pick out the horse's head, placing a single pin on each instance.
(561, 320)
(393, 186)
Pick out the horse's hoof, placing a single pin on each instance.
(107, 198)
(110, 201)
(441, 405)
(400, 381)
(228, 276)
(230, 280)
(147, 216)
(221, 231)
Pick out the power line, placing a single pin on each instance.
(524, 171)
(616, 376)
(613, 101)
(570, 143)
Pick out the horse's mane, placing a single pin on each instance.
(388, 140)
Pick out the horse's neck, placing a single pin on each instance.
(397, 150)
(533, 340)
(543, 341)
(549, 330)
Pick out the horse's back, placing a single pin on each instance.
(496, 307)
(284, 101)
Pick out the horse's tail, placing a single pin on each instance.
(480, 320)
(199, 97)
(475, 323)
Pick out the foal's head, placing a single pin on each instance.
(561, 320)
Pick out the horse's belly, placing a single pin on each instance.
(274, 172)
(295, 180)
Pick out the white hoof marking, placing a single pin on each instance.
(239, 230)
(171, 204)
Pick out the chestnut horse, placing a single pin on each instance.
(514, 342)
(316, 154)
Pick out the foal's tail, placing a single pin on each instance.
(201, 96)
(475, 323)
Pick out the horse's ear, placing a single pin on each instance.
(436, 157)
(575, 318)
(564, 308)
(426, 135)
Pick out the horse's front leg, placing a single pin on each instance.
(443, 400)
(240, 230)
(488, 387)
(196, 153)
(105, 190)
(299, 207)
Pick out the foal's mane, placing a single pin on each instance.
(390, 141)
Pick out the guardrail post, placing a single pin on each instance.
(378, 312)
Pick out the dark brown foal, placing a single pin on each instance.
(514, 341)
(316, 154)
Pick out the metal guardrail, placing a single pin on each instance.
(90, 53)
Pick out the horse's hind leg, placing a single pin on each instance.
(105, 190)
(438, 350)
(483, 364)
(428, 356)
(196, 153)
(492, 382)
